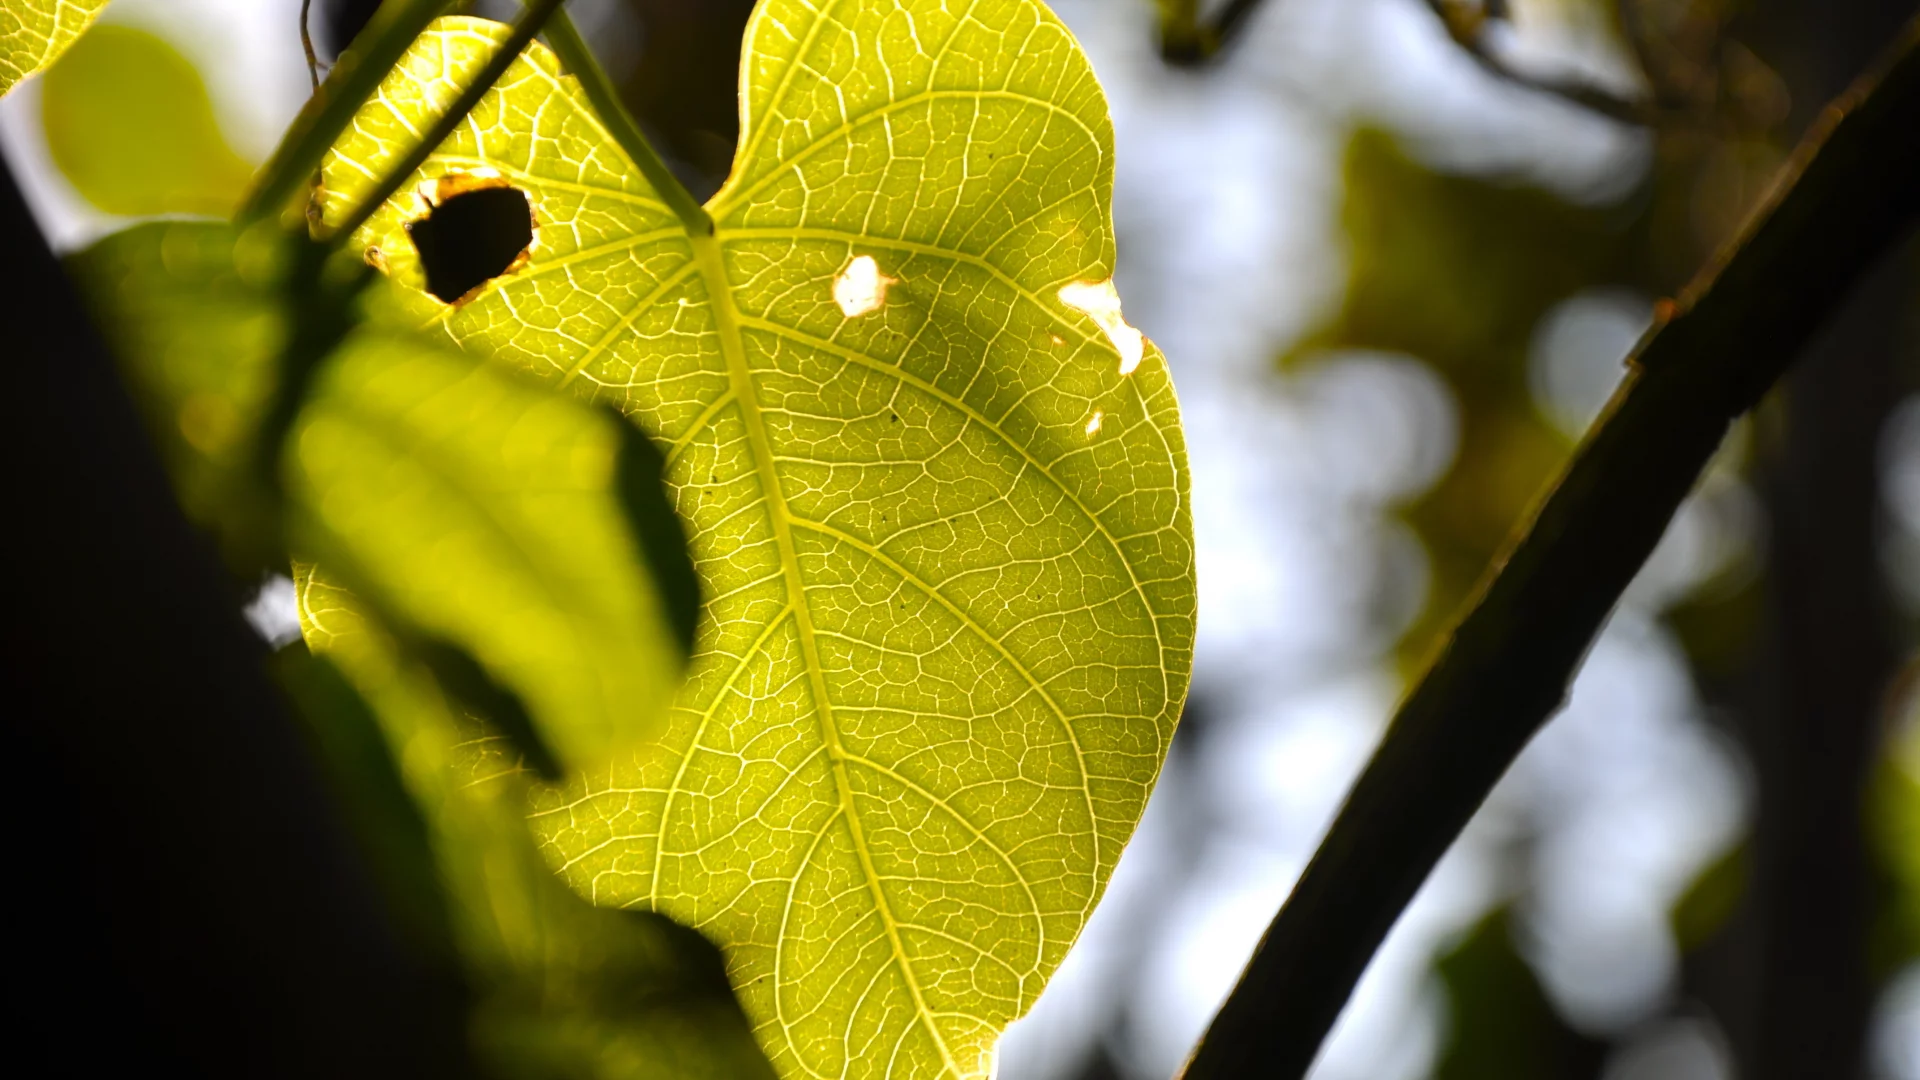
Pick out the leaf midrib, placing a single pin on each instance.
(707, 254)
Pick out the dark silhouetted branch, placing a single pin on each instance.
(353, 79)
(1466, 25)
(533, 18)
(1850, 193)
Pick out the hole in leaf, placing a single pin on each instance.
(861, 288)
(477, 228)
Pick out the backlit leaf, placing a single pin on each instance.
(467, 503)
(936, 486)
(33, 33)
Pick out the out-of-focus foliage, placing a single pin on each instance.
(201, 347)
(1894, 816)
(473, 507)
(1714, 895)
(129, 122)
(557, 986)
(936, 485)
(1501, 1023)
(33, 33)
(1458, 270)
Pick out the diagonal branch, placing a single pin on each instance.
(533, 18)
(353, 79)
(1848, 196)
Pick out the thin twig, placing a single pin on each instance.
(306, 45)
(321, 313)
(572, 50)
(354, 78)
(1466, 25)
(1849, 195)
(533, 18)
(1188, 41)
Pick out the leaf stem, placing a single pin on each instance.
(352, 80)
(574, 53)
(533, 17)
(1848, 196)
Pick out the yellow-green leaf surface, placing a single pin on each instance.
(936, 487)
(33, 33)
(130, 124)
(466, 501)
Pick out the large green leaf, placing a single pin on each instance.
(33, 33)
(937, 489)
(467, 503)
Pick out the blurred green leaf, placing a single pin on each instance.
(33, 33)
(1715, 894)
(1894, 826)
(558, 987)
(1457, 270)
(129, 123)
(486, 512)
(467, 505)
(192, 314)
(1500, 1021)
(466, 681)
(361, 771)
(936, 488)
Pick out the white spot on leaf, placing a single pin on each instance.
(1101, 302)
(1093, 425)
(861, 287)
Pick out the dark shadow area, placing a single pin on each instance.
(188, 889)
(471, 237)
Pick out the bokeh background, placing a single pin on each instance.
(1396, 252)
